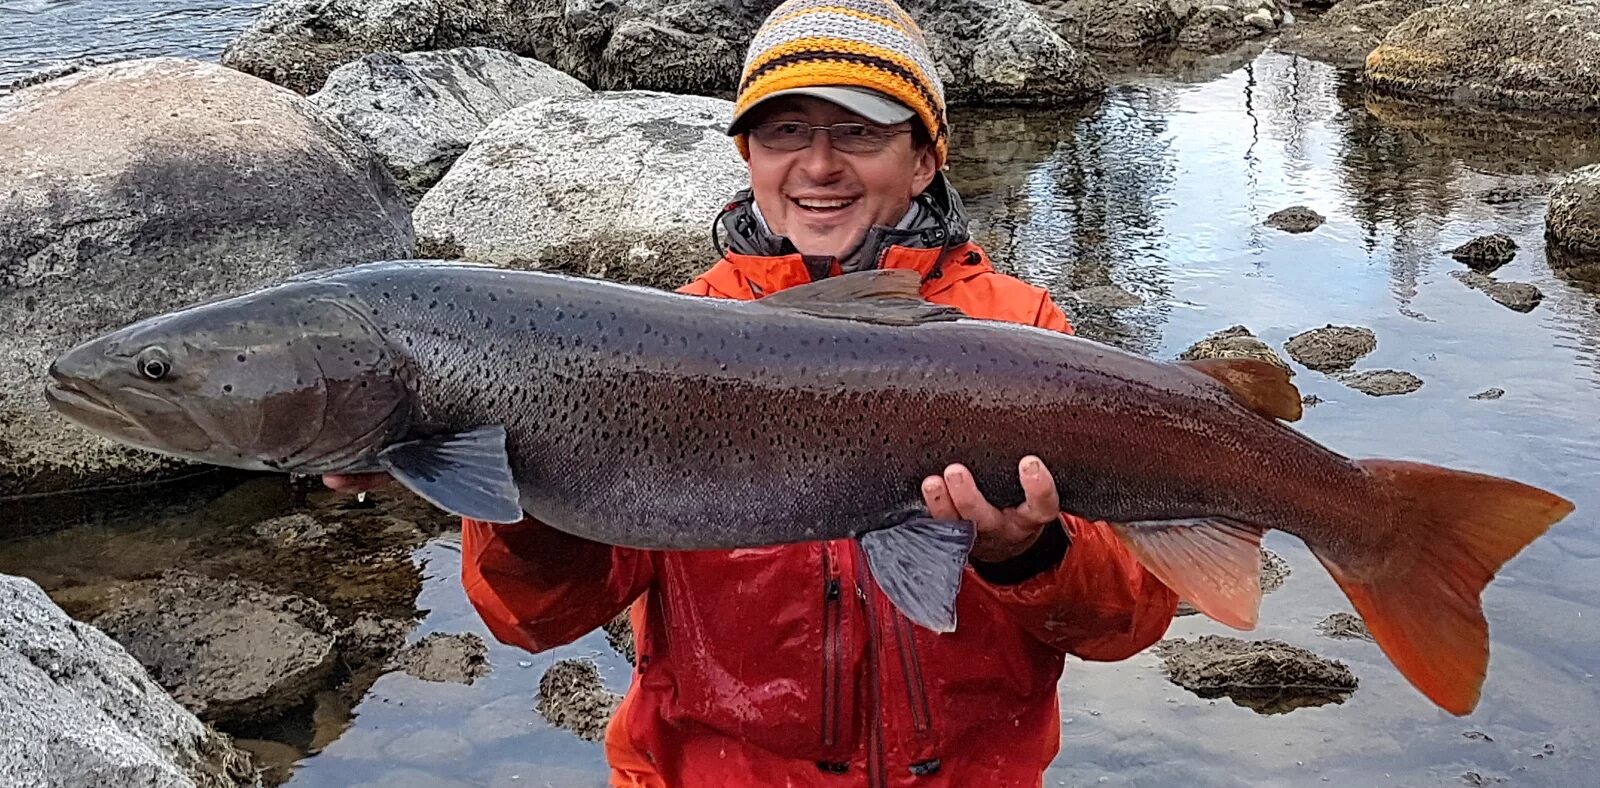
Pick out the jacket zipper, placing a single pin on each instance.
(832, 682)
(877, 770)
(911, 666)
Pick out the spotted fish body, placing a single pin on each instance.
(636, 417)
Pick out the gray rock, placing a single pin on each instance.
(439, 657)
(1002, 52)
(619, 633)
(1572, 219)
(675, 46)
(298, 43)
(1296, 219)
(1331, 347)
(572, 697)
(1108, 296)
(1344, 626)
(1274, 571)
(1381, 382)
(1486, 253)
(226, 649)
(1491, 393)
(1531, 54)
(1234, 342)
(1222, 23)
(617, 185)
(1520, 296)
(1267, 676)
(1110, 24)
(420, 111)
(77, 710)
(1348, 31)
(140, 186)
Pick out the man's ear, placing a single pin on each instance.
(924, 170)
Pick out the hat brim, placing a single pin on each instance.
(869, 104)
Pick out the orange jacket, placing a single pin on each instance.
(785, 665)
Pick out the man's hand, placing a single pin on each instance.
(356, 482)
(1002, 533)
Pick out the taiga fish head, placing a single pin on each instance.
(293, 378)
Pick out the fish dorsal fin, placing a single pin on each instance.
(466, 474)
(890, 296)
(1259, 385)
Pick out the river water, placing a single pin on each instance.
(1161, 189)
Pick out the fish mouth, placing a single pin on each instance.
(84, 407)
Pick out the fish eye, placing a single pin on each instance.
(153, 363)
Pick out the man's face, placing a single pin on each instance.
(825, 200)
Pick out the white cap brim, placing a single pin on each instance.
(869, 104)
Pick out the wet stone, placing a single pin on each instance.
(1344, 626)
(619, 633)
(440, 657)
(1233, 342)
(1479, 779)
(1298, 219)
(428, 747)
(1493, 393)
(1266, 676)
(1108, 296)
(295, 530)
(1311, 400)
(1331, 347)
(1486, 253)
(1274, 571)
(1382, 382)
(572, 697)
(1520, 296)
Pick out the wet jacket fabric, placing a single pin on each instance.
(786, 666)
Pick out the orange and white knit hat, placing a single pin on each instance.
(865, 55)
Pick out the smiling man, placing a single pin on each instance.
(787, 666)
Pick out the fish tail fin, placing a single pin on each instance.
(1421, 597)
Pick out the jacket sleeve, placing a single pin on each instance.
(538, 588)
(1079, 589)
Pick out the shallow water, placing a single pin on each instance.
(1161, 189)
(36, 34)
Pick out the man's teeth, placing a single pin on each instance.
(809, 203)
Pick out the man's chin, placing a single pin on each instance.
(827, 245)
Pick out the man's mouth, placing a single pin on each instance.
(823, 205)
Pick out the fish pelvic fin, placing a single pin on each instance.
(919, 565)
(1213, 564)
(1421, 597)
(891, 296)
(1259, 385)
(466, 474)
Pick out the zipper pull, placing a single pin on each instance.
(830, 591)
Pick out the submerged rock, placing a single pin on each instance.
(1486, 253)
(1344, 626)
(229, 650)
(1492, 393)
(78, 710)
(1267, 676)
(420, 111)
(1520, 296)
(1572, 219)
(439, 657)
(616, 185)
(1349, 30)
(1532, 54)
(1234, 342)
(1381, 382)
(1107, 296)
(1296, 219)
(145, 185)
(1274, 571)
(572, 697)
(1331, 347)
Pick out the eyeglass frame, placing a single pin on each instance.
(886, 133)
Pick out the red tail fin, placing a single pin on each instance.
(1420, 598)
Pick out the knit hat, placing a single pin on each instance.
(865, 55)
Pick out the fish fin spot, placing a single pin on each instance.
(1259, 385)
(466, 473)
(1213, 564)
(887, 296)
(919, 565)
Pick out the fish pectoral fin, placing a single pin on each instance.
(918, 564)
(890, 296)
(1259, 385)
(464, 473)
(1213, 564)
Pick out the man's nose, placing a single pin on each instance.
(819, 159)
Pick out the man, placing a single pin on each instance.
(786, 665)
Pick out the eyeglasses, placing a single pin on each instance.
(793, 135)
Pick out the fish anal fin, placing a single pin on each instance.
(1213, 564)
(890, 296)
(1259, 385)
(1421, 598)
(466, 473)
(919, 565)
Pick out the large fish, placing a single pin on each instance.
(644, 418)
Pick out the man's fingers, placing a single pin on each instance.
(1043, 503)
(968, 500)
(937, 498)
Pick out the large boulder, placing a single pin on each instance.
(1349, 30)
(133, 188)
(1572, 220)
(1111, 24)
(298, 43)
(77, 710)
(419, 111)
(1002, 52)
(622, 185)
(1532, 54)
(674, 46)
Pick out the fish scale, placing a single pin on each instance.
(636, 417)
